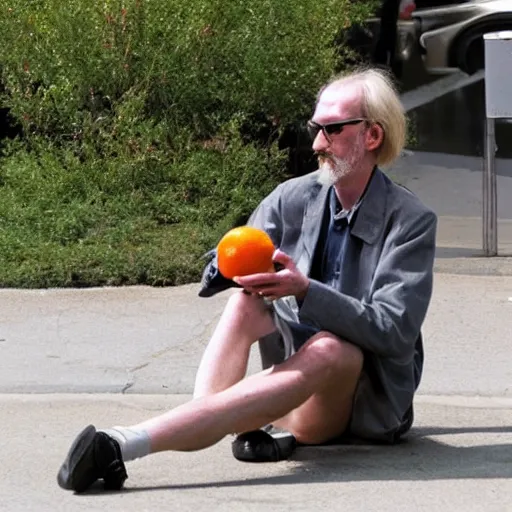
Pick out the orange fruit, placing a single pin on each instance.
(243, 251)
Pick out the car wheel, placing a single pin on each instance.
(474, 60)
(470, 54)
(468, 51)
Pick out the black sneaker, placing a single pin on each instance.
(268, 444)
(93, 455)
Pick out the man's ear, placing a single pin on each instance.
(374, 136)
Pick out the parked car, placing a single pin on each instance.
(450, 37)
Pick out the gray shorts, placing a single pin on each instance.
(293, 333)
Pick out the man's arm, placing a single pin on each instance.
(265, 216)
(389, 323)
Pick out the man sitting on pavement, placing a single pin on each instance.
(339, 324)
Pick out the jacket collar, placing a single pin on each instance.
(368, 219)
(316, 202)
(370, 215)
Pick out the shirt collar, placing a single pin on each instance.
(337, 211)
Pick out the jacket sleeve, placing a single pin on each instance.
(266, 217)
(389, 321)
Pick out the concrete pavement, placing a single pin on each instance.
(149, 340)
(116, 356)
(458, 457)
(452, 186)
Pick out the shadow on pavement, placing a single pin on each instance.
(418, 458)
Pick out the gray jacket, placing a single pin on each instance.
(385, 290)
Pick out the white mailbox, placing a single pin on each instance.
(498, 74)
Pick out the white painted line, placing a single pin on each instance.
(429, 92)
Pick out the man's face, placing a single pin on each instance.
(340, 148)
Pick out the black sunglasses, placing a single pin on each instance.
(330, 128)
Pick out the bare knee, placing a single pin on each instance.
(250, 314)
(335, 367)
(333, 355)
(247, 306)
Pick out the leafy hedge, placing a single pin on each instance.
(148, 128)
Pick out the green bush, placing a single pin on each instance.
(198, 63)
(64, 222)
(134, 157)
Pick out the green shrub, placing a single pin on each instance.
(198, 63)
(64, 222)
(135, 157)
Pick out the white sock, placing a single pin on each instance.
(133, 443)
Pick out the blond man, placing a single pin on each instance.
(339, 325)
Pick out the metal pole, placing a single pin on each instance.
(490, 211)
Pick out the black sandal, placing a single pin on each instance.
(268, 444)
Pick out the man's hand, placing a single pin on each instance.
(274, 285)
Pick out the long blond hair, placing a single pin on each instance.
(380, 104)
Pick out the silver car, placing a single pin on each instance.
(450, 37)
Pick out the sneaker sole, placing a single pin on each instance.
(78, 473)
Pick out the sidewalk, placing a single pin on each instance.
(118, 355)
(458, 458)
(149, 340)
(452, 186)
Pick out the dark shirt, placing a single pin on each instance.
(328, 259)
(334, 236)
(329, 253)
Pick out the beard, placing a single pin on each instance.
(334, 168)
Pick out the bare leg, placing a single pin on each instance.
(308, 421)
(314, 371)
(311, 393)
(224, 363)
